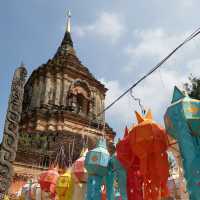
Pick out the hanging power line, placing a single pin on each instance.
(189, 38)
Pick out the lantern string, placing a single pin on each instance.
(72, 152)
(189, 38)
(60, 158)
(139, 102)
(161, 78)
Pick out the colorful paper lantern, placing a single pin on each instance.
(124, 152)
(131, 163)
(149, 143)
(65, 186)
(134, 181)
(182, 121)
(96, 163)
(78, 167)
(48, 180)
(80, 177)
(6, 197)
(116, 180)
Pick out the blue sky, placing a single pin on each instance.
(117, 40)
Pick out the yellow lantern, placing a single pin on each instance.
(65, 186)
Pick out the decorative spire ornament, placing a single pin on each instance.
(69, 21)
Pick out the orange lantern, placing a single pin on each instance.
(48, 180)
(79, 167)
(148, 141)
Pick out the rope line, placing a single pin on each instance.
(189, 38)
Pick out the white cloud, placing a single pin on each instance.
(153, 45)
(109, 26)
(187, 3)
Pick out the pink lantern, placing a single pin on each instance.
(48, 180)
(79, 168)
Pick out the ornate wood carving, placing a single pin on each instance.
(10, 135)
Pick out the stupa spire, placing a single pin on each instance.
(66, 46)
(69, 21)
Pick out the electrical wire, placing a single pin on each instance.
(189, 38)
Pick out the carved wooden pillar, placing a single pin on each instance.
(10, 135)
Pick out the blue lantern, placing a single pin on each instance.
(96, 163)
(182, 121)
(116, 174)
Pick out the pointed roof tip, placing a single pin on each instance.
(177, 94)
(22, 64)
(69, 21)
(69, 13)
(66, 46)
(67, 38)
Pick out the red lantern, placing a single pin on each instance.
(132, 165)
(48, 180)
(79, 167)
(124, 152)
(134, 181)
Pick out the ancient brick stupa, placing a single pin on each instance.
(61, 103)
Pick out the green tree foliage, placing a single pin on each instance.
(193, 87)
